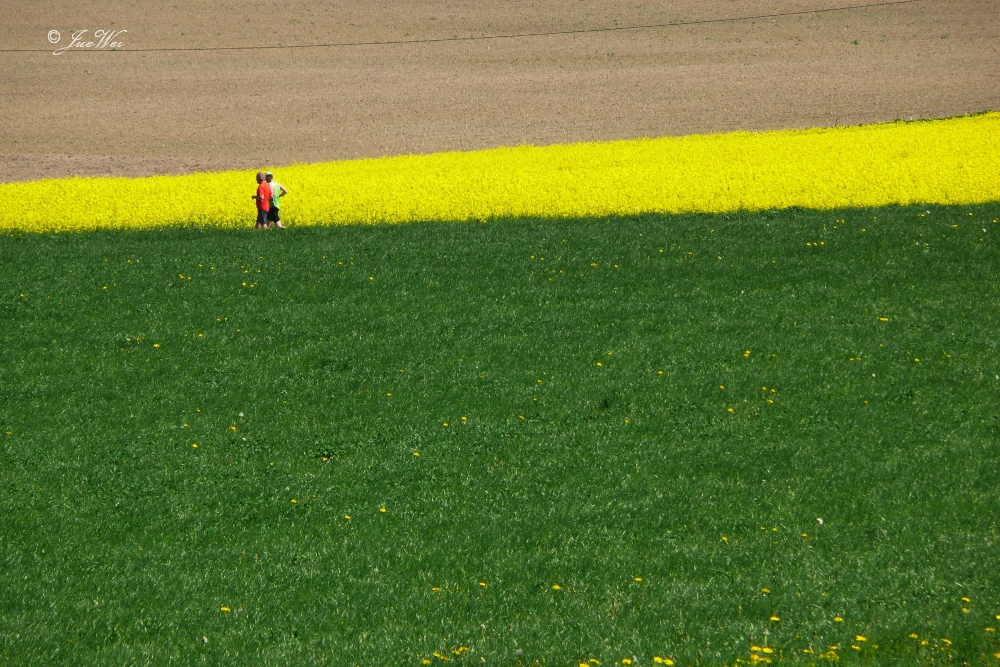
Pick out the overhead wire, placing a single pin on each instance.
(473, 38)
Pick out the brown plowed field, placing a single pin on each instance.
(139, 113)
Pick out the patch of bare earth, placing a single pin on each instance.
(138, 113)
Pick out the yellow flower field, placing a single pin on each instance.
(954, 161)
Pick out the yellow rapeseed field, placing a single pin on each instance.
(954, 161)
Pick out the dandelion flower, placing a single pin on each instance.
(225, 609)
(775, 618)
(556, 587)
(860, 638)
(838, 619)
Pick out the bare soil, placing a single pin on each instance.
(137, 113)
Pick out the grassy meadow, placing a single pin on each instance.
(690, 440)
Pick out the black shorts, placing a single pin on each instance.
(273, 215)
(261, 217)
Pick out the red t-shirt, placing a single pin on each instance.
(264, 197)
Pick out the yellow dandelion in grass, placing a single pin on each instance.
(860, 638)
(765, 591)
(416, 453)
(584, 664)
(755, 649)
(195, 445)
(226, 609)
(729, 409)
(156, 345)
(626, 661)
(436, 589)
(768, 649)
(997, 654)
(746, 353)
(913, 635)
(639, 579)
(294, 501)
(775, 618)
(990, 630)
(965, 599)
(556, 587)
(946, 641)
(599, 363)
(426, 661)
(838, 619)
(382, 509)
(347, 516)
(483, 584)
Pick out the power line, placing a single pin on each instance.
(437, 40)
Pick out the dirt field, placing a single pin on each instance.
(136, 113)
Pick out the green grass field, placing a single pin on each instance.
(628, 430)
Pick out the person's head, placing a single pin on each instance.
(260, 177)
(268, 177)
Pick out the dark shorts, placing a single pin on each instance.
(274, 215)
(261, 217)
